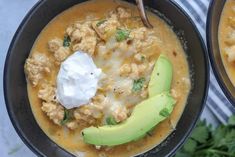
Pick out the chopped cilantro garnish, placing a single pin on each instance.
(122, 34)
(100, 22)
(67, 41)
(138, 84)
(67, 117)
(142, 58)
(231, 120)
(111, 121)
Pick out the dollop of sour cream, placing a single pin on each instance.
(77, 80)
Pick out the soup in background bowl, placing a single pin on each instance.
(125, 54)
(219, 41)
(226, 38)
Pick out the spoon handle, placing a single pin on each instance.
(142, 12)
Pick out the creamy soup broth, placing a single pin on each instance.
(227, 38)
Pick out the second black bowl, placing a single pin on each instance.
(213, 21)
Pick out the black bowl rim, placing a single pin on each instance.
(211, 56)
(207, 77)
(205, 90)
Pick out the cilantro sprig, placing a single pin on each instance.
(122, 34)
(206, 141)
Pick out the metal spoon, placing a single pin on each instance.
(142, 12)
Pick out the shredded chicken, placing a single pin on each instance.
(47, 93)
(139, 57)
(105, 83)
(120, 114)
(55, 44)
(50, 106)
(83, 37)
(231, 38)
(230, 52)
(107, 27)
(86, 45)
(85, 116)
(60, 52)
(142, 38)
(123, 87)
(125, 70)
(123, 13)
(54, 111)
(36, 66)
(231, 21)
(134, 71)
(72, 124)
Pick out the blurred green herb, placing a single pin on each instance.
(142, 58)
(206, 141)
(138, 84)
(111, 121)
(67, 117)
(100, 22)
(67, 41)
(122, 34)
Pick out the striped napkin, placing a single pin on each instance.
(216, 101)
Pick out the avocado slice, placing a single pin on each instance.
(161, 76)
(144, 117)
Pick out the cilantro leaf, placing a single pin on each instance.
(138, 84)
(67, 117)
(182, 154)
(200, 134)
(206, 141)
(122, 34)
(190, 145)
(111, 121)
(67, 41)
(142, 58)
(100, 22)
(230, 141)
(231, 120)
(219, 133)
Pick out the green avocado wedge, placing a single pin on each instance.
(161, 76)
(144, 117)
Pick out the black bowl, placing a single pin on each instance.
(213, 20)
(15, 85)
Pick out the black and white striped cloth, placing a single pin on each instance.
(216, 101)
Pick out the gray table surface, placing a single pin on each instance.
(12, 12)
